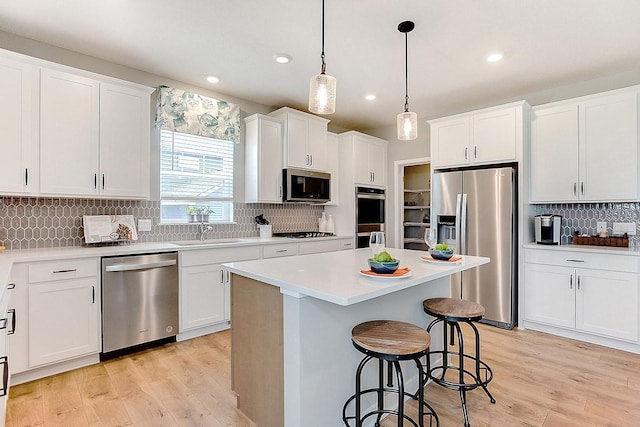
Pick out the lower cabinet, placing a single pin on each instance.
(54, 313)
(205, 288)
(63, 320)
(599, 300)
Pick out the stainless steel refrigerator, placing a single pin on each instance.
(476, 214)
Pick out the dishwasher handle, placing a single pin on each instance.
(140, 266)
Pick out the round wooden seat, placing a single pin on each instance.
(453, 308)
(390, 337)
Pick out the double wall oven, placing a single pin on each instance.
(369, 213)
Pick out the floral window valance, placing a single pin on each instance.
(195, 114)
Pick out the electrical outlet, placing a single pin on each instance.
(144, 225)
(619, 228)
(601, 226)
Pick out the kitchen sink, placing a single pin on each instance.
(208, 242)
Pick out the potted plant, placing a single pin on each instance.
(192, 212)
(204, 212)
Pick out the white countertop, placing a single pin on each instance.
(586, 248)
(8, 258)
(335, 276)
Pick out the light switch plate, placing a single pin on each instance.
(620, 228)
(601, 226)
(144, 225)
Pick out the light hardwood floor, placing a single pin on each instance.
(540, 380)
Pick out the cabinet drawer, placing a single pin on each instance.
(62, 269)
(318, 247)
(219, 255)
(599, 261)
(284, 249)
(346, 244)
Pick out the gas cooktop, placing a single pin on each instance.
(303, 234)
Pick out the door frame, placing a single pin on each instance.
(398, 194)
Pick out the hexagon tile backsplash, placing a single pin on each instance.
(584, 216)
(51, 223)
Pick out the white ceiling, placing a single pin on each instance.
(547, 44)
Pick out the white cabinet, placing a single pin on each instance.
(63, 313)
(263, 159)
(586, 150)
(94, 137)
(363, 160)
(18, 128)
(280, 250)
(329, 245)
(333, 153)
(561, 290)
(204, 287)
(18, 335)
(486, 136)
(305, 139)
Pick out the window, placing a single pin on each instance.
(196, 173)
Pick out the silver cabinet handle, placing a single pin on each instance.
(12, 312)
(575, 260)
(93, 294)
(575, 189)
(582, 188)
(475, 151)
(26, 177)
(311, 160)
(571, 282)
(11, 286)
(465, 152)
(71, 270)
(578, 282)
(5, 375)
(4, 322)
(279, 251)
(103, 181)
(142, 266)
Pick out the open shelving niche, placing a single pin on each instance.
(417, 201)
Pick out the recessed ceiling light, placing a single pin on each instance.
(212, 79)
(370, 97)
(282, 58)
(494, 57)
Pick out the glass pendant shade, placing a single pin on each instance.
(322, 94)
(407, 126)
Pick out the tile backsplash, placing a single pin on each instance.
(51, 222)
(583, 217)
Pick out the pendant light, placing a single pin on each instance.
(322, 91)
(407, 121)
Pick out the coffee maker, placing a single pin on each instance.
(547, 229)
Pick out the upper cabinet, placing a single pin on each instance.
(333, 154)
(94, 137)
(363, 159)
(263, 159)
(305, 139)
(486, 136)
(586, 149)
(18, 127)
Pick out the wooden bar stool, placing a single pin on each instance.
(390, 341)
(451, 312)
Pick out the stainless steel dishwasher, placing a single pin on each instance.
(139, 301)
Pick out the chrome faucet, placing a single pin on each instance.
(204, 229)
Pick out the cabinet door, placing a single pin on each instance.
(550, 294)
(18, 118)
(18, 335)
(494, 136)
(609, 148)
(124, 142)
(377, 155)
(607, 303)
(202, 296)
(361, 161)
(554, 154)
(270, 162)
(63, 320)
(450, 142)
(296, 154)
(317, 145)
(69, 132)
(333, 167)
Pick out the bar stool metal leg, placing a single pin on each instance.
(484, 383)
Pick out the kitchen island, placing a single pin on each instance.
(293, 363)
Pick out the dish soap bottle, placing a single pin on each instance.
(322, 223)
(331, 227)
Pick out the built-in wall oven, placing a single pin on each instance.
(369, 213)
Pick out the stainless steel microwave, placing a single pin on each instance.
(306, 186)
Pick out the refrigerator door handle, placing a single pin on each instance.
(457, 229)
(463, 225)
